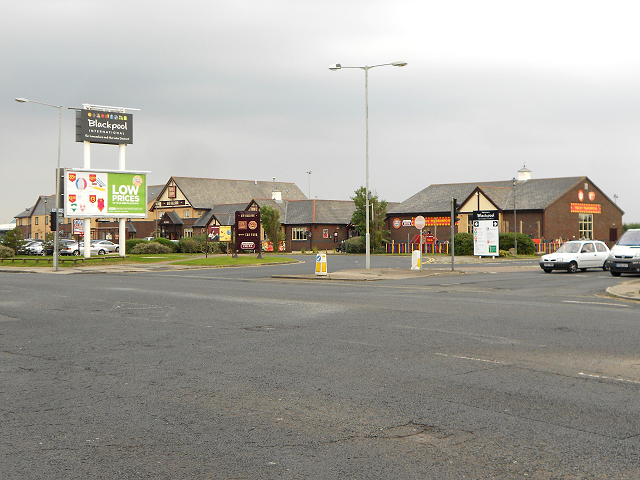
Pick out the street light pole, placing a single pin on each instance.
(366, 69)
(55, 234)
(515, 220)
(309, 175)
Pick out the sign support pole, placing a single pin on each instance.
(122, 241)
(87, 221)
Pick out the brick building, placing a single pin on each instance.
(546, 209)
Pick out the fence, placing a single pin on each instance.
(426, 248)
(542, 248)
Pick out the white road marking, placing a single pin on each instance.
(596, 303)
(603, 377)
(471, 358)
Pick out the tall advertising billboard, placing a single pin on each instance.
(105, 194)
(104, 127)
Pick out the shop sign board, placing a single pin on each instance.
(586, 208)
(247, 231)
(220, 233)
(104, 194)
(113, 128)
(486, 233)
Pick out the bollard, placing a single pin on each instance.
(321, 264)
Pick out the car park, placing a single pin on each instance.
(104, 246)
(576, 254)
(625, 254)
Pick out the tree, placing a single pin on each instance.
(13, 239)
(270, 218)
(378, 213)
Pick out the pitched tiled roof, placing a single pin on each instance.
(533, 194)
(207, 192)
(338, 212)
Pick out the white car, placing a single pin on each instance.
(625, 254)
(574, 255)
(104, 246)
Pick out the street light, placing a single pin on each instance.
(366, 69)
(515, 220)
(55, 235)
(309, 174)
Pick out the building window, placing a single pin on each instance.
(36, 220)
(585, 225)
(298, 233)
(187, 214)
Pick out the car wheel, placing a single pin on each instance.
(605, 268)
(117, 249)
(76, 252)
(43, 253)
(547, 270)
(573, 267)
(101, 252)
(615, 274)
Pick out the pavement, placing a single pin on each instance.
(629, 290)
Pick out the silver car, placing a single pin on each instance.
(104, 246)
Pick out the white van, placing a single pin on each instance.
(625, 254)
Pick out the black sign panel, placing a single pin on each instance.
(247, 231)
(104, 127)
(486, 215)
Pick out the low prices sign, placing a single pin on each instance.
(247, 231)
(109, 194)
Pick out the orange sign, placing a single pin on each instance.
(586, 208)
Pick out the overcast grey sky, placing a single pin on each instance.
(242, 90)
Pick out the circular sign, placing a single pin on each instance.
(419, 222)
(253, 225)
(397, 223)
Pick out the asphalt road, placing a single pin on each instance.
(501, 372)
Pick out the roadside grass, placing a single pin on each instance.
(114, 259)
(223, 260)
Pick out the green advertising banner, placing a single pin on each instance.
(103, 194)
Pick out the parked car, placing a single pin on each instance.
(104, 246)
(24, 249)
(625, 254)
(76, 248)
(577, 254)
(35, 248)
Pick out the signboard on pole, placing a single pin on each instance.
(247, 231)
(486, 233)
(105, 194)
(95, 126)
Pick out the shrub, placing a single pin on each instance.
(6, 252)
(315, 249)
(190, 245)
(303, 250)
(175, 247)
(525, 244)
(355, 245)
(132, 242)
(463, 243)
(150, 247)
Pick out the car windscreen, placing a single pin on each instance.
(630, 239)
(569, 248)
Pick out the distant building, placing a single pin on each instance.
(547, 209)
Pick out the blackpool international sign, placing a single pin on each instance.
(95, 126)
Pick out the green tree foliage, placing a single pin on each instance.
(13, 239)
(270, 218)
(627, 226)
(378, 213)
(525, 244)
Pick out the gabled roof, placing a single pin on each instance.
(153, 191)
(534, 194)
(173, 217)
(207, 192)
(224, 214)
(43, 206)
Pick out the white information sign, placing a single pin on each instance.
(486, 233)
